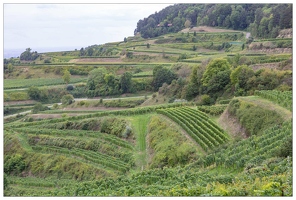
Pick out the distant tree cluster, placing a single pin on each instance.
(102, 83)
(263, 20)
(221, 77)
(98, 50)
(28, 55)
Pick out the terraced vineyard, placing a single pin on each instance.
(253, 150)
(99, 151)
(198, 125)
(284, 99)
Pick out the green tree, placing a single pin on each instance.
(241, 75)
(66, 76)
(90, 51)
(187, 23)
(34, 93)
(126, 82)
(10, 68)
(81, 52)
(216, 75)
(213, 68)
(162, 75)
(28, 55)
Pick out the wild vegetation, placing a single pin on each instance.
(144, 116)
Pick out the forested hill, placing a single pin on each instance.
(262, 20)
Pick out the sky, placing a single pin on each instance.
(60, 26)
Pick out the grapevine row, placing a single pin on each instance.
(195, 123)
(284, 98)
(253, 149)
(93, 157)
(94, 134)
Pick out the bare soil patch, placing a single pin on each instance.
(231, 125)
(10, 103)
(53, 116)
(206, 29)
(99, 108)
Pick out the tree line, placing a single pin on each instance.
(262, 20)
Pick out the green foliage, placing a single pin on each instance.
(14, 164)
(114, 126)
(162, 75)
(67, 99)
(129, 54)
(282, 98)
(34, 93)
(70, 87)
(66, 76)
(126, 82)
(197, 124)
(213, 110)
(213, 69)
(28, 55)
(35, 82)
(170, 147)
(130, 103)
(240, 79)
(39, 107)
(247, 112)
(205, 99)
(16, 96)
(262, 20)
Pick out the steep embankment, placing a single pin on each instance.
(238, 118)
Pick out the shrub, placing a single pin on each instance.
(205, 99)
(70, 87)
(34, 93)
(67, 99)
(39, 107)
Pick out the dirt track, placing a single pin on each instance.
(82, 60)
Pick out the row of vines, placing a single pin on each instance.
(284, 98)
(198, 125)
(254, 150)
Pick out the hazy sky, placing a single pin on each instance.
(71, 25)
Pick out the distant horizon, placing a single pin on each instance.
(16, 52)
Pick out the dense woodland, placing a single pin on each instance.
(197, 103)
(262, 20)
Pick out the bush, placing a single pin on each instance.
(67, 99)
(34, 93)
(70, 87)
(205, 99)
(39, 107)
(14, 164)
(115, 126)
